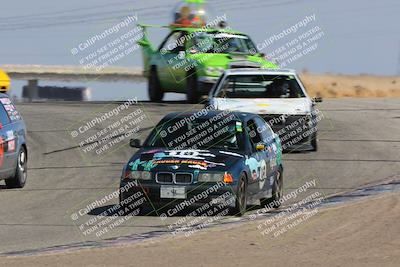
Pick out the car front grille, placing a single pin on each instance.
(174, 178)
(183, 178)
(164, 178)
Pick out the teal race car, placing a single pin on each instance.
(191, 59)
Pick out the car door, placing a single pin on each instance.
(172, 63)
(258, 160)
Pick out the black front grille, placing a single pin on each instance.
(183, 178)
(164, 177)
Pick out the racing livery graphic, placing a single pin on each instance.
(236, 155)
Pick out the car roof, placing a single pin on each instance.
(249, 71)
(4, 95)
(209, 114)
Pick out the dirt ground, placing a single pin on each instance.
(362, 233)
(336, 86)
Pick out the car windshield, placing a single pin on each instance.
(222, 43)
(260, 86)
(200, 133)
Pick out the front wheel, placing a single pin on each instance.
(241, 197)
(156, 93)
(21, 172)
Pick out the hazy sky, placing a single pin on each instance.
(359, 36)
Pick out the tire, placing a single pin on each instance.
(314, 142)
(277, 191)
(241, 198)
(155, 91)
(21, 172)
(192, 93)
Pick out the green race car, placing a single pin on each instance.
(190, 60)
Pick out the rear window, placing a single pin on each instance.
(8, 111)
(260, 86)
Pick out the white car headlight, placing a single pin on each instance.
(211, 177)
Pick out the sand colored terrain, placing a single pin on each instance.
(336, 86)
(363, 233)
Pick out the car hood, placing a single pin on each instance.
(293, 106)
(183, 160)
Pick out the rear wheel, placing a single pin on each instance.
(241, 197)
(155, 91)
(277, 191)
(192, 94)
(21, 173)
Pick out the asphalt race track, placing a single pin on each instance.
(359, 143)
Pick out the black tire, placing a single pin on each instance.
(21, 172)
(277, 191)
(192, 93)
(156, 94)
(314, 142)
(241, 198)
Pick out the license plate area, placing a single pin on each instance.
(177, 192)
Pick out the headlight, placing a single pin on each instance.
(138, 175)
(220, 70)
(211, 177)
(215, 177)
(211, 70)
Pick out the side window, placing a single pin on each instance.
(174, 43)
(265, 131)
(254, 135)
(3, 116)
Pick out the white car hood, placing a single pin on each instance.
(293, 106)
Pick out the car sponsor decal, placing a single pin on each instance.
(263, 174)
(239, 127)
(253, 165)
(147, 165)
(196, 164)
(10, 109)
(185, 154)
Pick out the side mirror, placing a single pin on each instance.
(135, 143)
(260, 147)
(317, 99)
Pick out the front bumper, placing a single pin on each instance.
(196, 194)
